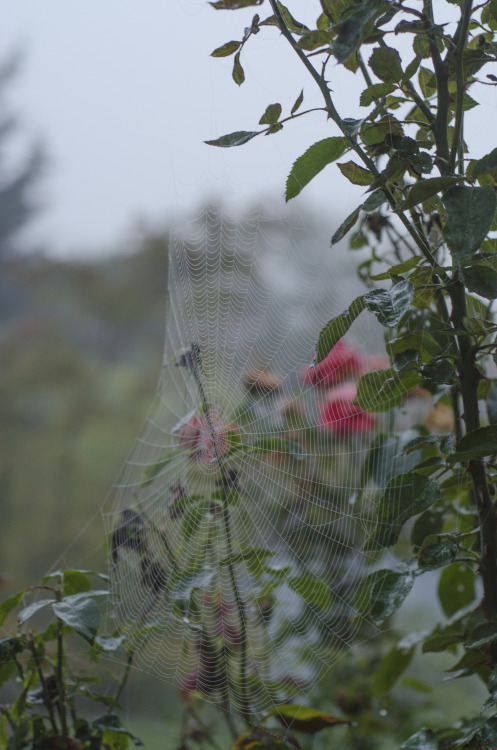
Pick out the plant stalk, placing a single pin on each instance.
(226, 491)
(487, 518)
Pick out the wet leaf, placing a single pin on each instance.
(233, 139)
(226, 49)
(470, 213)
(353, 27)
(238, 72)
(234, 4)
(307, 166)
(304, 719)
(406, 495)
(456, 588)
(382, 593)
(374, 92)
(389, 305)
(424, 189)
(81, 613)
(355, 174)
(271, 115)
(298, 102)
(336, 328)
(481, 279)
(385, 64)
(476, 444)
(11, 603)
(313, 590)
(390, 669)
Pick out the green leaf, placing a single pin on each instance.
(110, 643)
(476, 444)
(428, 523)
(314, 39)
(405, 495)
(470, 213)
(437, 555)
(304, 719)
(234, 4)
(11, 603)
(385, 64)
(352, 29)
(307, 166)
(489, 732)
(187, 582)
(481, 279)
(313, 591)
(238, 73)
(424, 189)
(425, 739)
(482, 636)
(390, 669)
(486, 164)
(419, 340)
(271, 115)
(336, 328)
(382, 593)
(397, 269)
(372, 202)
(345, 226)
(290, 22)
(275, 444)
(374, 92)
(456, 588)
(226, 49)
(28, 612)
(192, 521)
(298, 102)
(234, 139)
(355, 174)
(384, 389)
(389, 305)
(81, 613)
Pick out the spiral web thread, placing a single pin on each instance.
(235, 572)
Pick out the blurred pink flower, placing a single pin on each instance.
(342, 363)
(197, 436)
(339, 415)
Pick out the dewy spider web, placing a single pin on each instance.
(236, 526)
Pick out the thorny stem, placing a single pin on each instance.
(440, 125)
(487, 518)
(468, 373)
(460, 82)
(226, 492)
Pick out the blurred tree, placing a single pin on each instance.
(16, 183)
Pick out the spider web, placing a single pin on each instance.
(236, 527)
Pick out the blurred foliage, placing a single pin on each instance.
(81, 346)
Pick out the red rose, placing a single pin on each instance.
(203, 439)
(340, 415)
(342, 363)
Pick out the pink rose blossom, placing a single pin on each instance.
(342, 363)
(339, 415)
(197, 436)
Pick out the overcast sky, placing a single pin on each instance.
(125, 92)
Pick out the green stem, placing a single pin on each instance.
(440, 124)
(487, 519)
(46, 698)
(226, 492)
(61, 689)
(124, 678)
(462, 35)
